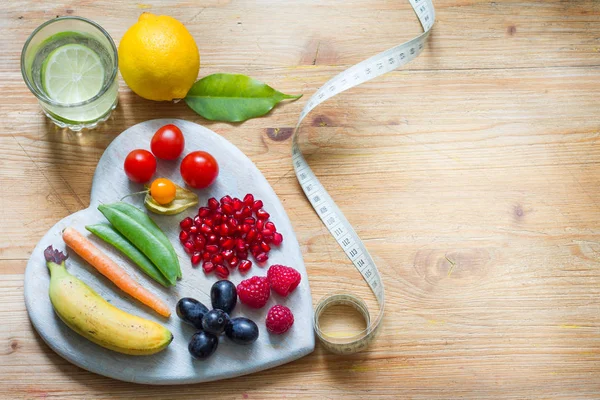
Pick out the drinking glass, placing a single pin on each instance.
(72, 110)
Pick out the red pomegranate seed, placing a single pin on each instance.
(212, 248)
(188, 247)
(249, 199)
(262, 214)
(238, 215)
(234, 262)
(249, 220)
(228, 243)
(232, 222)
(246, 228)
(196, 258)
(266, 232)
(186, 223)
(255, 249)
(237, 204)
(203, 212)
(260, 224)
(262, 257)
(258, 204)
(199, 242)
(226, 199)
(227, 208)
(246, 212)
(183, 236)
(240, 244)
(245, 265)
(212, 238)
(209, 221)
(206, 256)
(197, 220)
(251, 235)
(259, 238)
(227, 254)
(223, 230)
(217, 259)
(266, 248)
(218, 218)
(277, 238)
(208, 267)
(242, 254)
(207, 230)
(193, 229)
(271, 226)
(221, 271)
(213, 204)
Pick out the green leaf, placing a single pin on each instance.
(232, 97)
(184, 199)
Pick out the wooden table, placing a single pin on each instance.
(472, 174)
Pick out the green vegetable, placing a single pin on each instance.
(111, 236)
(144, 234)
(232, 97)
(183, 200)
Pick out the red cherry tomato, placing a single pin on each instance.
(140, 165)
(168, 142)
(199, 169)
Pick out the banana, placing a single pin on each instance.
(88, 314)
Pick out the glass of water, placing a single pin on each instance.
(70, 64)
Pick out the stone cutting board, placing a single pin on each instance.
(237, 176)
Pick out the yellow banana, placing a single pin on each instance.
(88, 314)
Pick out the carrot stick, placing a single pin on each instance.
(112, 271)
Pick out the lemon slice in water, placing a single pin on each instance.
(72, 73)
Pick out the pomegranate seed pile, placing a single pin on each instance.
(224, 233)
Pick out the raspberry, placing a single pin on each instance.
(254, 292)
(283, 280)
(279, 319)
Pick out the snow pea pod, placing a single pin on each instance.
(144, 234)
(111, 236)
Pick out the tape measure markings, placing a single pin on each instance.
(325, 207)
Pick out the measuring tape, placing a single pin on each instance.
(327, 210)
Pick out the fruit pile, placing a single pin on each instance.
(224, 233)
(255, 292)
(212, 323)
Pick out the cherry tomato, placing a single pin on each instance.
(163, 191)
(140, 165)
(199, 169)
(168, 142)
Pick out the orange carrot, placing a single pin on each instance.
(112, 271)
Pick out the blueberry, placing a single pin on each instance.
(202, 345)
(191, 311)
(215, 321)
(223, 296)
(242, 330)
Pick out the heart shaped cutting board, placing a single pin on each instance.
(174, 365)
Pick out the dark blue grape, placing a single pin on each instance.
(202, 345)
(215, 321)
(191, 311)
(223, 296)
(242, 330)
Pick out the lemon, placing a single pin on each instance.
(72, 73)
(158, 58)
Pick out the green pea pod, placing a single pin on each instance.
(144, 234)
(111, 236)
(140, 215)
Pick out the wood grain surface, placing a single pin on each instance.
(472, 174)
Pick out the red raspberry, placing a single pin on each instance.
(279, 319)
(283, 280)
(254, 292)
